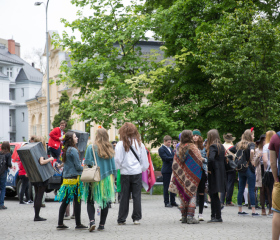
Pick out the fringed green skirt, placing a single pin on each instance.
(102, 192)
(68, 188)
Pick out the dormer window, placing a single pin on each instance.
(10, 72)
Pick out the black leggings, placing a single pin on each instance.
(91, 210)
(77, 209)
(39, 192)
(215, 206)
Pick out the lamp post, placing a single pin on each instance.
(47, 53)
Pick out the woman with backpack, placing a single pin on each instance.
(244, 151)
(216, 173)
(5, 163)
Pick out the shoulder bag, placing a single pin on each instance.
(266, 178)
(91, 174)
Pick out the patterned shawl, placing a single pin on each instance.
(187, 174)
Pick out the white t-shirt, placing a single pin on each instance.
(266, 150)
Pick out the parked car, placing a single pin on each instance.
(13, 182)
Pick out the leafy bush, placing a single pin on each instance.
(157, 162)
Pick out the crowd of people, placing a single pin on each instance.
(192, 169)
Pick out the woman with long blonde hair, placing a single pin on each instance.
(266, 169)
(100, 192)
(246, 149)
(131, 158)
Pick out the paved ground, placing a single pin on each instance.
(158, 223)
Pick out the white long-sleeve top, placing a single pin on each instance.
(127, 162)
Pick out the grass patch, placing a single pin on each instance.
(157, 190)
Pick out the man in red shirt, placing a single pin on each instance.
(56, 136)
(274, 146)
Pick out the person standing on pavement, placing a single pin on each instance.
(131, 158)
(198, 141)
(274, 147)
(71, 188)
(5, 158)
(187, 171)
(24, 186)
(246, 150)
(231, 174)
(216, 173)
(166, 154)
(102, 192)
(56, 138)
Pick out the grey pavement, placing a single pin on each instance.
(157, 222)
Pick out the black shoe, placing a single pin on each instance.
(3, 207)
(215, 220)
(100, 228)
(168, 205)
(81, 227)
(91, 226)
(62, 227)
(174, 204)
(39, 219)
(250, 207)
(258, 207)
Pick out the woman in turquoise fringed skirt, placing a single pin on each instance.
(71, 188)
(101, 192)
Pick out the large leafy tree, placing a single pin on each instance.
(108, 66)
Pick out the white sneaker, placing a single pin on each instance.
(200, 217)
(205, 204)
(66, 218)
(136, 222)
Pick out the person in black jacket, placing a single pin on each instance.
(5, 153)
(167, 155)
(216, 173)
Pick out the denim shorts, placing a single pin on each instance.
(276, 197)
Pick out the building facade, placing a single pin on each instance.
(19, 81)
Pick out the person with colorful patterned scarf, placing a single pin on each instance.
(102, 192)
(187, 172)
(71, 188)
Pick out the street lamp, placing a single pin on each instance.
(47, 53)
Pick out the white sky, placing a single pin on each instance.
(26, 23)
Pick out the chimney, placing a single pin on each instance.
(33, 65)
(11, 46)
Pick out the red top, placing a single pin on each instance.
(21, 169)
(274, 144)
(54, 141)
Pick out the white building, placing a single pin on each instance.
(19, 81)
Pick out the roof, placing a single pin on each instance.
(27, 73)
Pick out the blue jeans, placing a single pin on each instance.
(250, 178)
(3, 181)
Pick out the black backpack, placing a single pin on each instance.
(241, 161)
(3, 163)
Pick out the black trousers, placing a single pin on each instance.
(215, 206)
(39, 192)
(91, 210)
(77, 209)
(24, 188)
(166, 181)
(231, 175)
(130, 183)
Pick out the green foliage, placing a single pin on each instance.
(157, 162)
(64, 112)
(112, 72)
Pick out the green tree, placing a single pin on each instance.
(242, 57)
(108, 66)
(64, 112)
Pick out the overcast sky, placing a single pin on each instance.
(26, 23)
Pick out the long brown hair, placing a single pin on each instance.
(199, 142)
(68, 142)
(40, 139)
(128, 133)
(246, 138)
(186, 137)
(5, 148)
(213, 137)
(268, 136)
(105, 148)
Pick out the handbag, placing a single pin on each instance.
(91, 174)
(172, 187)
(266, 178)
(229, 163)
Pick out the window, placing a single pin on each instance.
(22, 116)
(22, 92)
(10, 72)
(10, 120)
